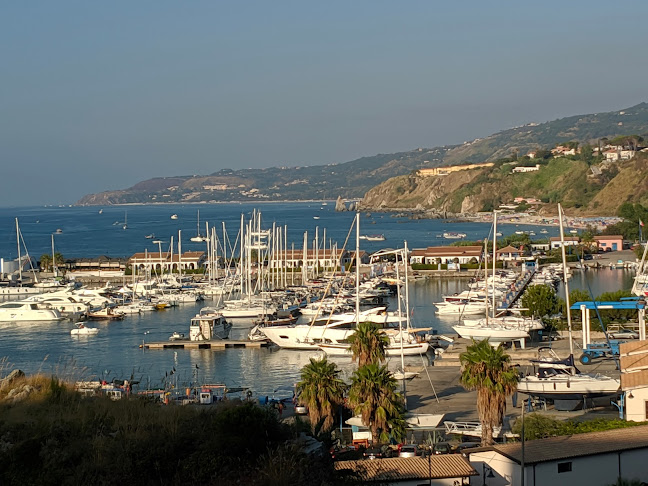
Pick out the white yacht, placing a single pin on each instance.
(335, 330)
(559, 380)
(209, 325)
(494, 334)
(27, 311)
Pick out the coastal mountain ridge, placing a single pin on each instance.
(354, 179)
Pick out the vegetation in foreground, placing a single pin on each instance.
(57, 437)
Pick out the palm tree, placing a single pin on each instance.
(488, 370)
(45, 262)
(368, 344)
(374, 397)
(321, 391)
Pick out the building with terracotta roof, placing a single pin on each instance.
(189, 260)
(446, 254)
(446, 469)
(592, 458)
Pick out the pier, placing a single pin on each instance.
(225, 343)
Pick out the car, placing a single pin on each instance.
(344, 453)
(377, 452)
(461, 448)
(441, 448)
(301, 409)
(624, 334)
(409, 450)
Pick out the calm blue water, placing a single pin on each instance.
(86, 233)
(115, 353)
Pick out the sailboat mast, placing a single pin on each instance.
(357, 264)
(54, 269)
(494, 258)
(400, 326)
(565, 283)
(19, 256)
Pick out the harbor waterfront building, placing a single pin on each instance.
(446, 254)
(569, 241)
(165, 261)
(609, 242)
(590, 458)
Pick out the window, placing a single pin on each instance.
(564, 467)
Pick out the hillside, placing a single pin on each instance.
(353, 179)
(571, 182)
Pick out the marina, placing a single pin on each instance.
(139, 343)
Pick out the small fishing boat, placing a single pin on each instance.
(150, 237)
(451, 235)
(174, 216)
(177, 336)
(59, 231)
(316, 217)
(81, 329)
(373, 237)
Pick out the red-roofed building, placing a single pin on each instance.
(190, 260)
(446, 254)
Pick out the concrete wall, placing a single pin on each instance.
(636, 406)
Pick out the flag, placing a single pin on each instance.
(641, 223)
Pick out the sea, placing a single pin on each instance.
(115, 351)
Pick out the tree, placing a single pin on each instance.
(368, 344)
(540, 300)
(46, 262)
(488, 370)
(321, 390)
(374, 397)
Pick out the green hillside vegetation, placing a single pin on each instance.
(56, 437)
(568, 180)
(353, 179)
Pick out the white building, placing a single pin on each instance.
(595, 458)
(569, 241)
(522, 168)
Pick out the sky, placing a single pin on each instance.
(98, 96)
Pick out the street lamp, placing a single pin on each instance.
(484, 475)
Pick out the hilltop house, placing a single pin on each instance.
(521, 168)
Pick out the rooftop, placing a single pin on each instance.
(403, 468)
(578, 445)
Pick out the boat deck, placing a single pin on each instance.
(225, 343)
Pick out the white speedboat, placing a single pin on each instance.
(82, 330)
(174, 216)
(27, 311)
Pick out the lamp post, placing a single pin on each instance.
(484, 476)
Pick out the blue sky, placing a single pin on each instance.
(100, 95)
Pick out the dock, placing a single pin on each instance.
(222, 344)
